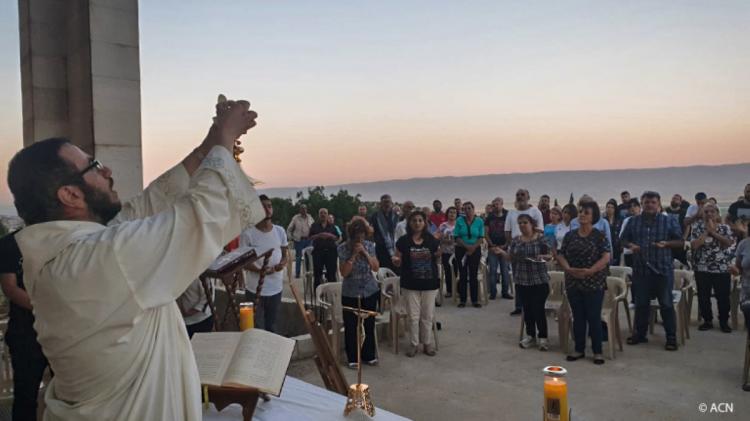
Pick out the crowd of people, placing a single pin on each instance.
(520, 245)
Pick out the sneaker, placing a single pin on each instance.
(516, 312)
(411, 352)
(725, 328)
(353, 366)
(706, 326)
(598, 359)
(373, 362)
(543, 345)
(527, 342)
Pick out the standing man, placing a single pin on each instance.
(678, 209)
(103, 276)
(362, 211)
(512, 229)
(544, 208)
(437, 217)
(624, 206)
(651, 237)
(384, 223)
(324, 236)
(406, 210)
(495, 235)
(695, 211)
(195, 310)
(459, 206)
(262, 237)
(26, 355)
(635, 210)
(740, 210)
(332, 221)
(299, 231)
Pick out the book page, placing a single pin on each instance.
(260, 361)
(213, 354)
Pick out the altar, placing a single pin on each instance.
(300, 401)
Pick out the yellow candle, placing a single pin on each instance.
(247, 317)
(555, 395)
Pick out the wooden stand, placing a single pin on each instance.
(222, 397)
(230, 274)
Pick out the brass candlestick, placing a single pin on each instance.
(359, 393)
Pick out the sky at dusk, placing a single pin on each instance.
(364, 91)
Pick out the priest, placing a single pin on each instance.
(103, 276)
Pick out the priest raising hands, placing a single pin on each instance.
(103, 275)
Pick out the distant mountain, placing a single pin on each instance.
(725, 182)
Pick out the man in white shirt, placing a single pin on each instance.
(266, 236)
(694, 211)
(406, 210)
(195, 310)
(103, 276)
(523, 207)
(299, 231)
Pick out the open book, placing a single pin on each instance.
(251, 359)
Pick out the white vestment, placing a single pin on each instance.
(104, 296)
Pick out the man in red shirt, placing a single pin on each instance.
(437, 217)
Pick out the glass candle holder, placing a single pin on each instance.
(555, 394)
(247, 316)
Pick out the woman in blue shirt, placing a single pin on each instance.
(469, 233)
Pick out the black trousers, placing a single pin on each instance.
(350, 328)
(267, 312)
(532, 301)
(203, 326)
(720, 283)
(325, 259)
(28, 363)
(469, 272)
(449, 273)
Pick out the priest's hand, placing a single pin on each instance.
(233, 119)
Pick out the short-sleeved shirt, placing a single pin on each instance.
(743, 256)
(447, 241)
(495, 226)
(646, 231)
(273, 283)
(360, 282)
(584, 252)
(529, 272)
(511, 221)
(739, 210)
(21, 320)
(469, 234)
(418, 263)
(437, 219)
(321, 244)
(711, 257)
(623, 210)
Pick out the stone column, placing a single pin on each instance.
(80, 78)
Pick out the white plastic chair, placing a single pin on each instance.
(329, 297)
(625, 273)
(617, 291)
(683, 282)
(391, 290)
(556, 306)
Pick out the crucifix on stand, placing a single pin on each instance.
(359, 393)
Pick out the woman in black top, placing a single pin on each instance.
(615, 223)
(584, 257)
(324, 235)
(417, 255)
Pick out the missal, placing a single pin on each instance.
(251, 359)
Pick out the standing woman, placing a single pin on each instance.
(527, 253)
(448, 248)
(584, 256)
(569, 212)
(469, 233)
(550, 230)
(358, 262)
(712, 244)
(610, 214)
(417, 256)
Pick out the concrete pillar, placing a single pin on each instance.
(80, 78)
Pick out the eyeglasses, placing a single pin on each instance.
(95, 164)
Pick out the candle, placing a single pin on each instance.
(247, 316)
(555, 394)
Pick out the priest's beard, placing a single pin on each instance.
(101, 204)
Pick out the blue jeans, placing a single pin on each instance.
(659, 286)
(298, 247)
(493, 261)
(587, 310)
(267, 312)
